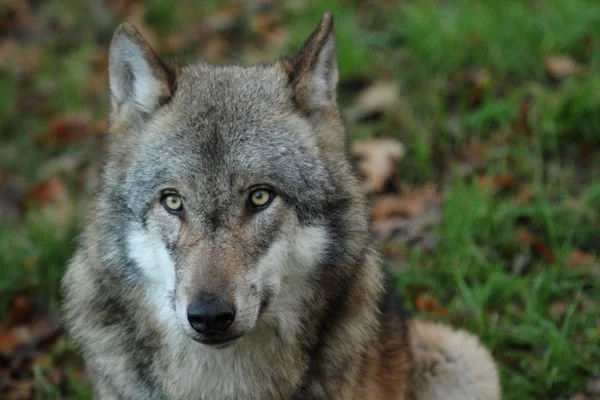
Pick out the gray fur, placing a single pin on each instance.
(302, 273)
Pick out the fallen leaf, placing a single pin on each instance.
(522, 124)
(215, 48)
(410, 204)
(428, 304)
(505, 181)
(45, 192)
(408, 218)
(21, 309)
(66, 129)
(406, 231)
(373, 100)
(16, 18)
(10, 339)
(53, 199)
(378, 159)
(558, 309)
(524, 194)
(536, 246)
(579, 258)
(560, 66)
(479, 80)
(265, 26)
(28, 334)
(393, 253)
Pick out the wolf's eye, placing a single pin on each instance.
(172, 203)
(261, 198)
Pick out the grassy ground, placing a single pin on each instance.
(512, 143)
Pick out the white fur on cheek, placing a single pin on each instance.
(151, 256)
(304, 251)
(309, 246)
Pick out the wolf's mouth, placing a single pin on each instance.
(217, 342)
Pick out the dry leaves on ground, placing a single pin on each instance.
(373, 100)
(378, 160)
(536, 246)
(27, 334)
(560, 66)
(427, 304)
(52, 198)
(408, 218)
(402, 219)
(66, 129)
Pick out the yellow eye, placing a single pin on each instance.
(260, 198)
(172, 203)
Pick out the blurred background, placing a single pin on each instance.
(476, 131)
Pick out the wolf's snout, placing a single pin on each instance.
(210, 314)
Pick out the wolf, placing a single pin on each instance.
(227, 253)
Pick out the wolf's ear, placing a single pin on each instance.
(139, 81)
(313, 69)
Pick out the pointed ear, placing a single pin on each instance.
(139, 81)
(313, 69)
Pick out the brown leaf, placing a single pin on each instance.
(55, 203)
(536, 246)
(20, 311)
(16, 18)
(393, 253)
(558, 309)
(560, 66)
(580, 259)
(521, 124)
(378, 159)
(505, 181)
(266, 27)
(428, 304)
(408, 218)
(410, 204)
(524, 194)
(46, 192)
(479, 80)
(373, 100)
(66, 129)
(10, 339)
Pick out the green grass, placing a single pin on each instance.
(426, 45)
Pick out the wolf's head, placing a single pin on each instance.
(227, 188)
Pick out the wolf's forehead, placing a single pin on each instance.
(235, 121)
(232, 89)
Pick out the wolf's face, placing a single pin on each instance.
(227, 180)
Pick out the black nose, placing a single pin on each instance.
(210, 314)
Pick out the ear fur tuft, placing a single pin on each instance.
(140, 81)
(313, 69)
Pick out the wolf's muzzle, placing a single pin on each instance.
(210, 314)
